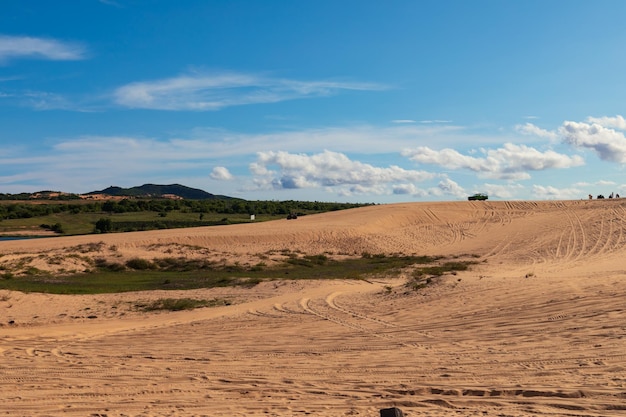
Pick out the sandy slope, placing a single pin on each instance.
(537, 328)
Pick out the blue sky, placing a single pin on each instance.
(352, 100)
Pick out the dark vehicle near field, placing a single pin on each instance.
(478, 196)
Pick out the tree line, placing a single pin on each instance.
(23, 210)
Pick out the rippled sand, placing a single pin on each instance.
(536, 328)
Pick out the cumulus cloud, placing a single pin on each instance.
(617, 122)
(608, 143)
(13, 47)
(221, 174)
(206, 92)
(406, 189)
(449, 187)
(510, 162)
(283, 170)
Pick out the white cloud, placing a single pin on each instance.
(445, 187)
(507, 191)
(587, 184)
(553, 193)
(510, 162)
(531, 129)
(403, 121)
(617, 122)
(406, 189)
(449, 187)
(358, 189)
(13, 47)
(221, 174)
(609, 144)
(205, 92)
(327, 169)
(605, 182)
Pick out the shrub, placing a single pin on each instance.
(110, 266)
(178, 304)
(317, 259)
(139, 264)
(103, 225)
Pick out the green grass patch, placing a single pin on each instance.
(102, 282)
(83, 223)
(442, 269)
(424, 276)
(181, 274)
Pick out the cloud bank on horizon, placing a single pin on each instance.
(87, 108)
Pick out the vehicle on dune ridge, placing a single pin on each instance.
(478, 196)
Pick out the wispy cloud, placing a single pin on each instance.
(601, 183)
(533, 130)
(435, 121)
(363, 139)
(41, 100)
(206, 92)
(15, 47)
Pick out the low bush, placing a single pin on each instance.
(139, 264)
(179, 304)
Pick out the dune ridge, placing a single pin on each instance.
(536, 327)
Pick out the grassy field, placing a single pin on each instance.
(83, 223)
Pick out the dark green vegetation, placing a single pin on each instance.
(179, 273)
(73, 217)
(423, 276)
(178, 304)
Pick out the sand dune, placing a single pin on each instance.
(535, 328)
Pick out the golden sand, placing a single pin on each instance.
(536, 328)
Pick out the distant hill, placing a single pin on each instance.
(156, 191)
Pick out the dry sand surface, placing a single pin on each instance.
(536, 328)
